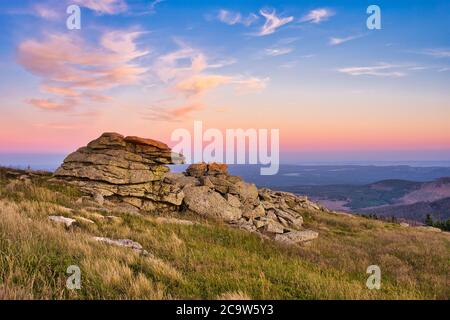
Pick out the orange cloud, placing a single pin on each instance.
(201, 83)
(185, 72)
(62, 91)
(48, 104)
(72, 66)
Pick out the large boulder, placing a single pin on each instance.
(119, 160)
(206, 202)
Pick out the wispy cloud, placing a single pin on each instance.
(103, 6)
(187, 72)
(444, 69)
(335, 41)
(41, 10)
(273, 52)
(49, 104)
(233, 18)
(72, 69)
(153, 5)
(318, 15)
(247, 85)
(418, 68)
(438, 53)
(273, 22)
(199, 84)
(380, 70)
(46, 12)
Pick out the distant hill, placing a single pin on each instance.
(439, 210)
(388, 198)
(325, 175)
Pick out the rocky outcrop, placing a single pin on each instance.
(129, 169)
(131, 172)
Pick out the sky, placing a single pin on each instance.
(312, 69)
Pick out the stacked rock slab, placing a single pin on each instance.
(133, 171)
(129, 169)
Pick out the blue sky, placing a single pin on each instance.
(319, 75)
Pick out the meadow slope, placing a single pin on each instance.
(206, 260)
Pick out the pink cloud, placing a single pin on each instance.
(48, 104)
(69, 67)
(185, 71)
(202, 83)
(103, 6)
(46, 12)
(318, 15)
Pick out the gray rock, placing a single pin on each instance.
(127, 243)
(295, 237)
(206, 202)
(273, 227)
(98, 198)
(233, 200)
(68, 222)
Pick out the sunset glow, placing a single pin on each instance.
(316, 73)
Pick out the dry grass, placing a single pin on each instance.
(239, 295)
(206, 260)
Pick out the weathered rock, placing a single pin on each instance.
(68, 222)
(295, 237)
(217, 169)
(246, 191)
(259, 223)
(233, 200)
(204, 169)
(273, 227)
(84, 220)
(127, 243)
(129, 175)
(404, 224)
(206, 181)
(197, 170)
(180, 180)
(220, 184)
(98, 198)
(203, 201)
(119, 160)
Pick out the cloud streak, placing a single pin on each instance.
(317, 15)
(438, 53)
(334, 41)
(46, 12)
(380, 70)
(232, 18)
(272, 23)
(274, 52)
(187, 72)
(110, 7)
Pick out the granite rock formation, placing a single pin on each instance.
(132, 172)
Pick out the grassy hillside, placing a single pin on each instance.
(206, 260)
